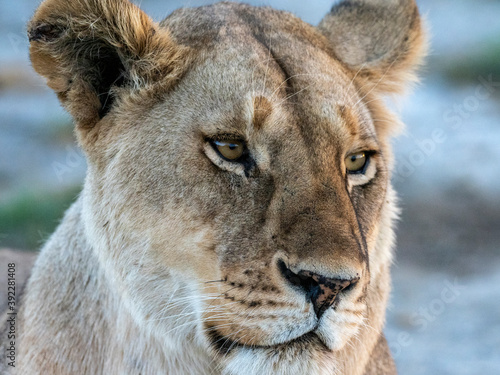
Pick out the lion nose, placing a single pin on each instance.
(321, 290)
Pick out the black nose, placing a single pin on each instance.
(321, 290)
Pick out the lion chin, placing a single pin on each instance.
(332, 331)
(305, 355)
(310, 353)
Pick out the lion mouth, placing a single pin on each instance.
(224, 345)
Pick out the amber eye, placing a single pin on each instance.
(355, 163)
(230, 149)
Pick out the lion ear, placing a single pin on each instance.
(381, 40)
(86, 49)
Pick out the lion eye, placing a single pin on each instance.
(230, 149)
(356, 163)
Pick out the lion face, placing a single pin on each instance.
(242, 200)
(225, 226)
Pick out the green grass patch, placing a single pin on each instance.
(482, 61)
(60, 131)
(27, 220)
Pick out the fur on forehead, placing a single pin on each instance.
(96, 53)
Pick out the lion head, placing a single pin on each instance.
(238, 193)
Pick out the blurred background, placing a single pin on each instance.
(444, 315)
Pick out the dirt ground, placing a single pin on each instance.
(444, 315)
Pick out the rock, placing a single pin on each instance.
(23, 261)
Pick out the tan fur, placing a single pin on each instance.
(168, 263)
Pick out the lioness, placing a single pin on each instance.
(237, 215)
